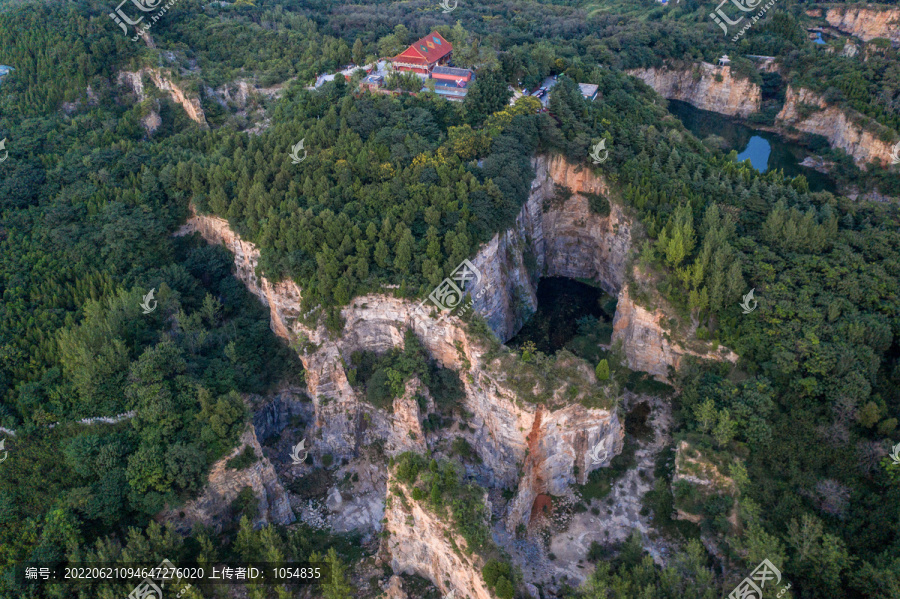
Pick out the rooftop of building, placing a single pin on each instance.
(429, 49)
(457, 84)
(456, 72)
(588, 90)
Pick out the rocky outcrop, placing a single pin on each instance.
(705, 86)
(273, 417)
(163, 81)
(866, 22)
(212, 507)
(151, 121)
(406, 426)
(856, 134)
(695, 469)
(559, 443)
(648, 344)
(394, 589)
(421, 543)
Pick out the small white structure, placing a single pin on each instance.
(588, 90)
(724, 61)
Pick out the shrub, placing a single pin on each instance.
(504, 588)
(463, 449)
(246, 458)
(446, 387)
(409, 465)
(602, 370)
(596, 552)
(886, 427)
(597, 203)
(494, 570)
(245, 504)
(378, 390)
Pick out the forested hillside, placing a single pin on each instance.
(396, 191)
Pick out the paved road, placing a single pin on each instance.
(549, 82)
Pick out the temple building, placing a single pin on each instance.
(452, 83)
(422, 56)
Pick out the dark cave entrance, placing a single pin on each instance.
(571, 315)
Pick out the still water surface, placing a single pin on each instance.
(764, 150)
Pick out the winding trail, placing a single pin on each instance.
(84, 421)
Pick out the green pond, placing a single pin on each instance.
(765, 150)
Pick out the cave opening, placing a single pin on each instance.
(637, 422)
(570, 314)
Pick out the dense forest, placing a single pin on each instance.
(397, 190)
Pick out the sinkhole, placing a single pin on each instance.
(570, 314)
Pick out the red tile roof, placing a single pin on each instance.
(427, 50)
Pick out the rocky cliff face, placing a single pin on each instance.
(420, 543)
(808, 112)
(647, 344)
(162, 80)
(739, 97)
(273, 417)
(551, 238)
(500, 420)
(699, 86)
(212, 507)
(558, 442)
(866, 23)
(532, 448)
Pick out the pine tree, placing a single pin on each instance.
(358, 53)
(381, 253)
(338, 587)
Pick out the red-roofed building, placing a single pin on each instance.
(424, 55)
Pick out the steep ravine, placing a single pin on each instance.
(535, 450)
(162, 79)
(420, 543)
(567, 239)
